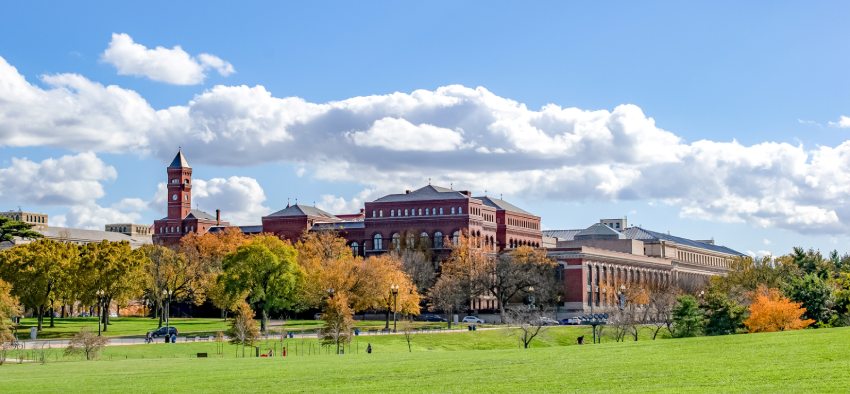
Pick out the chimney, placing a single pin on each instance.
(217, 217)
(407, 192)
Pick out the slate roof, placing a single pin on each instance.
(425, 193)
(198, 214)
(644, 234)
(303, 210)
(598, 231)
(502, 204)
(179, 161)
(562, 235)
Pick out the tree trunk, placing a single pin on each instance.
(63, 310)
(449, 318)
(52, 310)
(263, 320)
(387, 326)
(104, 311)
(40, 312)
(502, 311)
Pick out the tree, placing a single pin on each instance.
(114, 272)
(662, 300)
(9, 229)
(516, 271)
(338, 322)
(770, 311)
(815, 294)
(87, 343)
(416, 263)
(463, 277)
(385, 272)
(722, 315)
(687, 317)
(205, 254)
(37, 270)
(527, 323)
(243, 329)
(9, 308)
(168, 270)
(265, 269)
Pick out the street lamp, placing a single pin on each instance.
(557, 305)
(100, 294)
(166, 312)
(531, 296)
(394, 289)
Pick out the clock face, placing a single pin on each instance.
(174, 197)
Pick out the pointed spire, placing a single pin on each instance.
(179, 160)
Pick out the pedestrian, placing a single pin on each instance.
(173, 338)
(148, 337)
(369, 348)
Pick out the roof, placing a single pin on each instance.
(598, 231)
(252, 229)
(425, 193)
(503, 205)
(179, 161)
(84, 235)
(561, 235)
(303, 210)
(644, 234)
(198, 214)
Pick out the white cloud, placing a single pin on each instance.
(169, 65)
(68, 180)
(93, 216)
(843, 122)
(454, 134)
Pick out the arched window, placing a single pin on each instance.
(396, 241)
(355, 248)
(420, 211)
(453, 210)
(424, 241)
(381, 213)
(459, 210)
(438, 240)
(377, 242)
(427, 212)
(456, 237)
(406, 213)
(373, 213)
(411, 240)
(441, 211)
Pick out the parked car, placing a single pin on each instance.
(472, 319)
(546, 321)
(432, 318)
(160, 332)
(318, 316)
(570, 321)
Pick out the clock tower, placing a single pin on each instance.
(179, 187)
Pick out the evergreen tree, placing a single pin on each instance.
(688, 320)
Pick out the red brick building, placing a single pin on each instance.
(181, 218)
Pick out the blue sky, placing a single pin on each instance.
(754, 72)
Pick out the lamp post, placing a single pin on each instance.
(557, 306)
(100, 294)
(165, 313)
(394, 289)
(531, 298)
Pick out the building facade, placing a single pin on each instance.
(129, 229)
(597, 263)
(182, 219)
(37, 220)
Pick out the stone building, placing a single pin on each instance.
(129, 229)
(37, 220)
(597, 262)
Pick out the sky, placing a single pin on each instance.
(721, 120)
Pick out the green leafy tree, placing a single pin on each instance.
(9, 308)
(114, 270)
(688, 320)
(815, 294)
(723, 315)
(243, 329)
(266, 269)
(37, 271)
(9, 229)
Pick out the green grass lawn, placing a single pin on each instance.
(138, 326)
(798, 361)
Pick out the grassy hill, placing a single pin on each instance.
(799, 361)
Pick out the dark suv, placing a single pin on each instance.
(160, 332)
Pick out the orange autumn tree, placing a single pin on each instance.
(770, 311)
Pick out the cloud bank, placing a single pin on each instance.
(468, 136)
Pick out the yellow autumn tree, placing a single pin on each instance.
(770, 311)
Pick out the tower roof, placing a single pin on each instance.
(179, 161)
